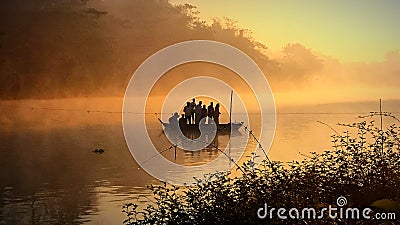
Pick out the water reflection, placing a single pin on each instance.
(50, 175)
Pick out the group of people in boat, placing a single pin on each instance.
(193, 113)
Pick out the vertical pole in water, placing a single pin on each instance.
(175, 151)
(230, 124)
(230, 111)
(380, 114)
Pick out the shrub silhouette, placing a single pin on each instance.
(364, 167)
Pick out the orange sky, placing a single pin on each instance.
(361, 31)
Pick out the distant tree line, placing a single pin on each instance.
(70, 48)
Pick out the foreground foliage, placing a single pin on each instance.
(363, 167)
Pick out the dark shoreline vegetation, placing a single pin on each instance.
(363, 166)
(78, 48)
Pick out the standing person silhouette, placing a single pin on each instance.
(193, 106)
(197, 110)
(216, 114)
(203, 112)
(188, 112)
(210, 111)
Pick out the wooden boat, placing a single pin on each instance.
(224, 128)
(193, 129)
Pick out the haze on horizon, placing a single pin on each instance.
(350, 31)
(91, 48)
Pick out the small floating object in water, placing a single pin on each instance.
(98, 151)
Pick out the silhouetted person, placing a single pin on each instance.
(182, 121)
(198, 112)
(173, 120)
(188, 112)
(193, 105)
(216, 114)
(210, 110)
(203, 112)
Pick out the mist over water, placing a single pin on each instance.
(56, 176)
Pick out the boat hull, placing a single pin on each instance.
(224, 128)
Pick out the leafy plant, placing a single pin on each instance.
(363, 166)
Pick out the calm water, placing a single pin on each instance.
(49, 173)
